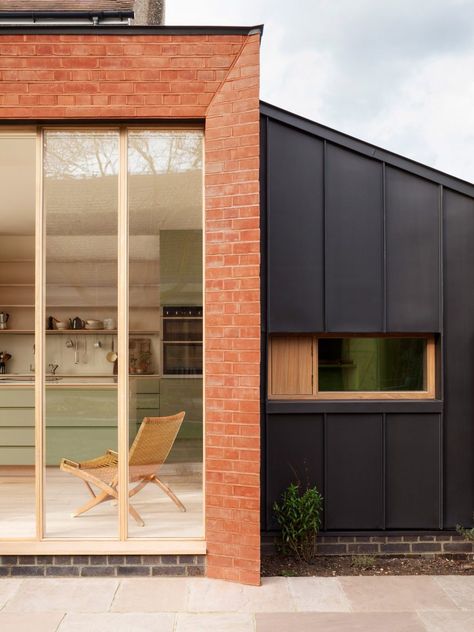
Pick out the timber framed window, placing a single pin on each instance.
(352, 366)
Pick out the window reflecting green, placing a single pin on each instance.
(371, 364)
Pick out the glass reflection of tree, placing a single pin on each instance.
(164, 152)
(89, 155)
(81, 155)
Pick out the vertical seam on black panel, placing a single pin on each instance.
(325, 468)
(264, 323)
(324, 236)
(384, 246)
(384, 469)
(440, 369)
(440, 255)
(440, 475)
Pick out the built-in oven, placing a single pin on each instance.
(182, 338)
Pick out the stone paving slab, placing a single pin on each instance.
(115, 622)
(229, 622)
(8, 588)
(339, 622)
(395, 594)
(460, 588)
(158, 594)
(63, 595)
(211, 595)
(30, 622)
(318, 594)
(447, 621)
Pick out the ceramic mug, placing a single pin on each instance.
(109, 323)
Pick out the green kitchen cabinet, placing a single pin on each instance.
(81, 423)
(17, 426)
(186, 394)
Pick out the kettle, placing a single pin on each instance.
(4, 320)
(76, 323)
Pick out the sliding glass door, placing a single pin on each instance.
(17, 318)
(166, 334)
(102, 390)
(80, 221)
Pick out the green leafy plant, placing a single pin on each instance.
(467, 534)
(299, 516)
(363, 561)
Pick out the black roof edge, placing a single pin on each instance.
(132, 30)
(64, 13)
(367, 149)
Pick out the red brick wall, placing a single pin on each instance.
(233, 323)
(211, 77)
(125, 76)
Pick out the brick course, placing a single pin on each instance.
(448, 544)
(214, 78)
(101, 565)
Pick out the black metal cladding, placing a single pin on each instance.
(412, 253)
(458, 239)
(354, 242)
(357, 239)
(413, 470)
(296, 163)
(354, 463)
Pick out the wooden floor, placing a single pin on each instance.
(64, 493)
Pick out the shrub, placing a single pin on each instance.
(467, 534)
(299, 517)
(363, 562)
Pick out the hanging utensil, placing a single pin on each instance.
(111, 356)
(76, 351)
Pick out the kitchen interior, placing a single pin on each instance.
(165, 321)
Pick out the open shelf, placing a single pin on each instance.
(81, 332)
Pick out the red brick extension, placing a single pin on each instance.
(215, 77)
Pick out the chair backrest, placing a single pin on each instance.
(154, 440)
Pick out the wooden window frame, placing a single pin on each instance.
(316, 394)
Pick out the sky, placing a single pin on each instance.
(396, 73)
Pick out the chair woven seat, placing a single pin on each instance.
(149, 451)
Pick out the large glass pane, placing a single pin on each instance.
(81, 219)
(166, 298)
(17, 315)
(372, 364)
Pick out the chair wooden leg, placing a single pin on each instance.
(93, 502)
(136, 516)
(138, 487)
(169, 493)
(92, 493)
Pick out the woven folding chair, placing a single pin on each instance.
(149, 451)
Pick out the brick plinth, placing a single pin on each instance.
(213, 78)
(404, 545)
(102, 565)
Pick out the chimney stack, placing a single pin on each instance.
(149, 12)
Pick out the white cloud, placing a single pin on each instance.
(397, 73)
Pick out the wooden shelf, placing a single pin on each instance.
(17, 331)
(81, 332)
(182, 342)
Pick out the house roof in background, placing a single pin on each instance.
(63, 6)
